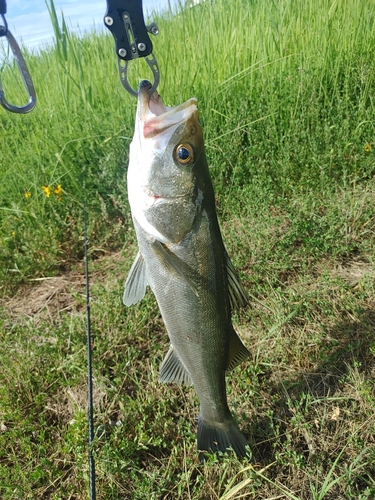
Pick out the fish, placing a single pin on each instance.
(182, 257)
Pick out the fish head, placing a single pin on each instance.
(167, 165)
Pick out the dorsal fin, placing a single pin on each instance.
(237, 351)
(237, 294)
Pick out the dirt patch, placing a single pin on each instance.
(354, 271)
(51, 296)
(351, 270)
(65, 404)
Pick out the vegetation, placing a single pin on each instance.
(286, 99)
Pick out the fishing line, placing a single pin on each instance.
(89, 353)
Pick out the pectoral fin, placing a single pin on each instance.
(172, 263)
(237, 293)
(136, 282)
(237, 351)
(172, 369)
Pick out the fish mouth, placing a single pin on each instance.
(155, 116)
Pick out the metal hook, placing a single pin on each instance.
(123, 70)
(29, 86)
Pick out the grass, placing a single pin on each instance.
(285, 94)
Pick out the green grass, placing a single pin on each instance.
(285, 93)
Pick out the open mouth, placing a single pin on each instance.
(157, 117)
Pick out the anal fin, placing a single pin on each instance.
(172, 369)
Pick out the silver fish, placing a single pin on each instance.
(183, 259)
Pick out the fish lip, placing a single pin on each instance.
(144, 99)
(155, 116)
(161, 198)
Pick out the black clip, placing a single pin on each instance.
(124, 18)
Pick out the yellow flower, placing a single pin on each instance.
(58, 190)
(368, 147)
(47, 191)
(27, 194)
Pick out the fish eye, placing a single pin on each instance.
(184, 154)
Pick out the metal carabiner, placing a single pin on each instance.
(29, 86)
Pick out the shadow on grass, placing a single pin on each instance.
(317, 413)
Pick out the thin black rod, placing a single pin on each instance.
(89, 358)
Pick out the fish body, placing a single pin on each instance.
(183, 259)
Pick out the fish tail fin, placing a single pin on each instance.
(214, 437)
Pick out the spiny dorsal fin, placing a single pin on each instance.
(237, 351)
(237, 293)
(136, 282)
(172, 369)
